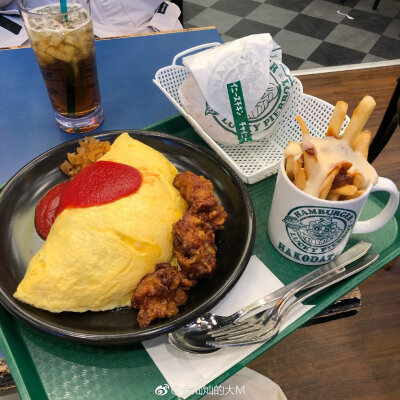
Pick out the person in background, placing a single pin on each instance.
(111, 18)
(127, 17)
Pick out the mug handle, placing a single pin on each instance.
(373, 224)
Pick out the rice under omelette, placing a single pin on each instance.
(94, 257)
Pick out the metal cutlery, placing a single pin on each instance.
(210, 321)
(195, 340)
(265, 326)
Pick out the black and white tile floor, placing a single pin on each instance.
(312, 33)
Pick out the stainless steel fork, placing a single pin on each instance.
(210, 321)
(195, 341)
(264, 326)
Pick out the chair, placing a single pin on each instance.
(374, 7)
(388, 125)
(376, 4)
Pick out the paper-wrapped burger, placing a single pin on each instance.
(238, 91)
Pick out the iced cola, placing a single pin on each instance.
(64, 47)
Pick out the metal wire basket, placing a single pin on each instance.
(252, 161)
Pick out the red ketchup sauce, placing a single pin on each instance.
(99, 183)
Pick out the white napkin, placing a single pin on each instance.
(186, 373)
(245, 60)
(246, 384)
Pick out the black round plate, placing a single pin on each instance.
(19, 242)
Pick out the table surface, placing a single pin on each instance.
(126, 67)
(130, 106)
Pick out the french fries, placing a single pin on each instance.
(300, 179)
(358, 179)
(346, 190)
(290, 167)
(359, 118)
(333, 197)
(361, 143)
(302, 124)
(337, 118)
(327, 183)
(343, 180)
(309, 157)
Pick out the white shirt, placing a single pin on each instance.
(126, 17)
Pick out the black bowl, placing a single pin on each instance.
(19, 242)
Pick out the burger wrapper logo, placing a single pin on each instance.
(263, 118)
(245, 88)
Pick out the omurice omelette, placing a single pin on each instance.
(94, 257)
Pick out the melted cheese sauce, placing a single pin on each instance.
(331, 151)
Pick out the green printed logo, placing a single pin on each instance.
(318, 230)
(268, 109)
(239, 112)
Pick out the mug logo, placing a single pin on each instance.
(318, 230)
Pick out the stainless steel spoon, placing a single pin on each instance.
(210, 321)
(193, 341)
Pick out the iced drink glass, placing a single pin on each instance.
(64, 48)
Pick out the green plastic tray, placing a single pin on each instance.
(45, 367)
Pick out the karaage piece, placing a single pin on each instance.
(199, 193)
(160, 293)
(194, 246)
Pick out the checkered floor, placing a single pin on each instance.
(311, 33)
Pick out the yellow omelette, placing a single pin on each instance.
(94, 257)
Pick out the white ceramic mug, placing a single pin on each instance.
(313, 231)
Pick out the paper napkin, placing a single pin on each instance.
(186, 373)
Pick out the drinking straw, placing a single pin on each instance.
(70, 71)
(64, 10)
(70, 89)
(63, 6)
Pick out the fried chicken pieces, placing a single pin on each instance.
(194, 233)
(199, 194)
(194, 246)
(160, 293)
